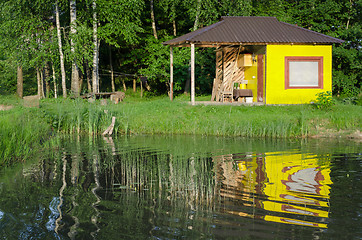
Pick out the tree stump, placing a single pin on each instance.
(109, 130)
(118, 97)
(31, 101)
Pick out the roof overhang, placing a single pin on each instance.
(223, 44)
(251, 31)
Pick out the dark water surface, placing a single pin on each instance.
(185, 188)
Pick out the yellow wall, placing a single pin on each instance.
(275, 73)
(251, 74)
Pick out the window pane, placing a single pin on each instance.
(303, 74)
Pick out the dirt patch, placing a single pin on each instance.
(5, 107)
(331, 133)
(356, 135)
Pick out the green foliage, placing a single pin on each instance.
(120, 20)
(340, 19)
(347, 72)
(355, 100)
(27, 37)
(324, 100)
(277, 8)
(155, 62)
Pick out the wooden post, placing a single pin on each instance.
(260, 80)
(20, 82)
(192, 74)
(141, 87)
(112, 72)
(171, 73)
(124, 85)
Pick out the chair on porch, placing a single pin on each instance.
(227, 96)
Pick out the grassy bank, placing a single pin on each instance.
(160, 116)
(22, 129)
(22, 132)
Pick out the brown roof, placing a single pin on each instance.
(252, 30)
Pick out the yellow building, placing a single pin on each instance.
(262, 60)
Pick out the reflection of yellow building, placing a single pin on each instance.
(296, 185)
(290, 184)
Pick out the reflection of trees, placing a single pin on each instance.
(74, 176)
(97, 186)
(112, 189)
(64, 184)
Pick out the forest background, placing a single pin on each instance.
(72, 47)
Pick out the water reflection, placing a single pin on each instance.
(112, 189)
(291, 188)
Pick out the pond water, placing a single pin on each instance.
(157, 187)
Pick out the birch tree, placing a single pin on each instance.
(73, 32)
(95, 76)
(153, 20)
(61, 55)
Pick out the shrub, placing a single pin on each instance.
(324, 100)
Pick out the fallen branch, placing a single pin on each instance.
(109, 130)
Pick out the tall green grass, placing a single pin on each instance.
(161, 116)
(21, 129)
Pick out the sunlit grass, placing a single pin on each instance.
(22, 128)
(22, 132)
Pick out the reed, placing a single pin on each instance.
(22, 129)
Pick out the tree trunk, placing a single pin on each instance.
(124, 85)
(153, 20)
(55, 83)
(95, 76)
(88, 73)
(73, 31)
(141, 88)
(81, 78)
(196, 23)
(47, 80)
(39, 81)
(134, 85)
(349, 13)
(174, 27)
(20, 81)
(111, 65)
(42, 83)
(62, 69)
(173, 9)
(188, 81)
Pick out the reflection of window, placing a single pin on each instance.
(303, 72)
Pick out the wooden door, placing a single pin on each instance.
(260, 81)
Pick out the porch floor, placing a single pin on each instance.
(207, 103)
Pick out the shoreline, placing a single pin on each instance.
(161, 116)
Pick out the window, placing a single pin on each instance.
(303, 72)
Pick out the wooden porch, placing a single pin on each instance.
(231, 83)
(214, 103)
